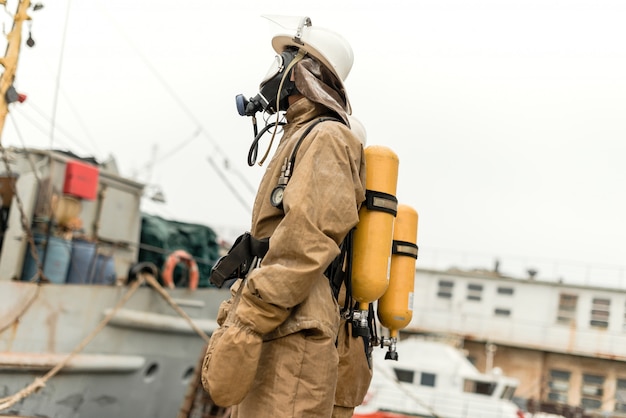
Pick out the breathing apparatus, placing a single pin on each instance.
(395, 306)
(299, 39)
(383, 255)
(382, 248)
(276, 87)
(371, 255)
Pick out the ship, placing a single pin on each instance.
(435, 379)
(81, 332)
(104, 310)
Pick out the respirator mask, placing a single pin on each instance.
(275, 87)
(272, 97)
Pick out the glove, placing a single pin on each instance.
(233, 353)
(230, 363)
(226, 306)
(232, 356)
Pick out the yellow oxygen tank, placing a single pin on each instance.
(395, 307)
(371, 260)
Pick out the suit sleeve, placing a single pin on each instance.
(321, 206)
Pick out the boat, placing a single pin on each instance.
(125, 348)
(435, 379)
(90, 324)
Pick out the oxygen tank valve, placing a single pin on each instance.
(391, 354)
(360, 326)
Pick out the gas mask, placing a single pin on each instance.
(274, 90)
(275, 87)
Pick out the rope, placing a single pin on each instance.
(27, 304)
(40, 382)
(23, 218)
(157, 286)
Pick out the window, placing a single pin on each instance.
(591, 391)
(502, 312)
(600, 312)
(620, 395)
(474, 291)
(508, 392)
(567, 309)
(428, 379)
(476, 386)
(558, 385)
(404, 375)
(445, 289)
(505, 291)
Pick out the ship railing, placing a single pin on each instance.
(580, 273)
(523, 331)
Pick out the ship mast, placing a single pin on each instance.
(9, 61)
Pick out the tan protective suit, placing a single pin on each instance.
(287, 301)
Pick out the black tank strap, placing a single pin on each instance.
(308, 130)
(382, 202)
(404, 248)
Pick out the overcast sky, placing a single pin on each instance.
(508, 116)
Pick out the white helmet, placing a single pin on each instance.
(330, 48)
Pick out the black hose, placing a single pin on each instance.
(254, 148)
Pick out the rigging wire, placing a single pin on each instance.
(171, 92)
(69, 138)
(81, 122)
(21, 139)
(74, 111)
(54, 129)
(241, 177)
(233, 189)
(173, 151)
(58, 80)
(244, 180)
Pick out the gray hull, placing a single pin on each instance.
(139, 365)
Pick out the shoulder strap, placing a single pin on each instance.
(340, 270)
(308, 130)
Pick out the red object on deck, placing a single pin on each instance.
(81, 180)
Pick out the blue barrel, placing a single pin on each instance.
(104, 271)
(57, 258)
(81, 262)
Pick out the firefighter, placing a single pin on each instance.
(281, 345)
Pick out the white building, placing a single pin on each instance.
(565, 343)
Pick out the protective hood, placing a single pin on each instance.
(320, 85)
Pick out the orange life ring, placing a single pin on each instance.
(180, 256)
